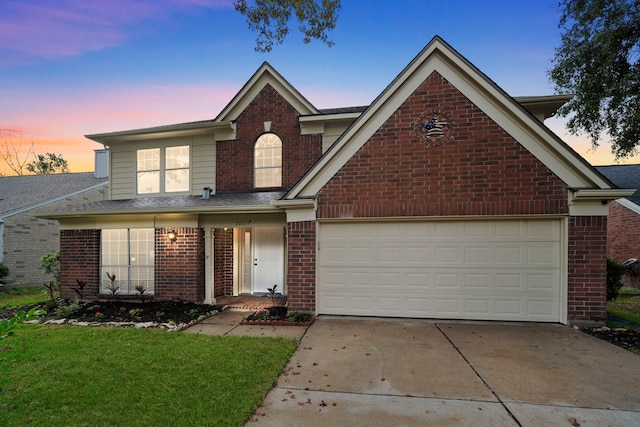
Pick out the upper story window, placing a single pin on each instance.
(172, 163)
(268, 161)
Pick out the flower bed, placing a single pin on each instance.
(278, 316)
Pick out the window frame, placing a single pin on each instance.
(164, 171)
(257, 169)
(112, 238)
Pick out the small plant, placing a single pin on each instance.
(51, 265)
(615, 271)
(52, 290)
(113, 286)
(99, 315)
(6, 325)
(262, 314)
(193, 313)
(66, 309)
(136, 313)
(159, 314)
(273, 294)
(4, 272)
(80, 289)
(297, 316)
(142, 291)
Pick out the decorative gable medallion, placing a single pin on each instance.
(433, 128)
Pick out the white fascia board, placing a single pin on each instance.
(593, 201)
(311, 125)
(298, 210)
(629, 205)
(222, 130)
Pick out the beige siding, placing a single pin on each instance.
(123, 164)
(123, 171)
(332, 131)
(203, 164)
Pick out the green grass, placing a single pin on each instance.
(17, 297)
(81, 376)
(624, 311)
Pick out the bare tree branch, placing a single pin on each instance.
(13, 153)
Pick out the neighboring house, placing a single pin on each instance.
(24, 239)
(623, 224)
(444, 198)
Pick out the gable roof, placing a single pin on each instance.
(266, 74)
(20, 194)
(478, 88)
(624, 176)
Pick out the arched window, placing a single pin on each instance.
(268, 161)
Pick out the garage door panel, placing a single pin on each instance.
(498, 269)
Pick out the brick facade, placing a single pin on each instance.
(483, 171)
(301, 265)
(223, 262)
(621, 224)
(234, 166)
(587, 269)
(179, 265)
(80, 260)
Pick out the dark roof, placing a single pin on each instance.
(342, 110)
(624, 176)
(173, 204)
(23, 192)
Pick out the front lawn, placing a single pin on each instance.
(624, 311)
(81, 376)
(18, 297)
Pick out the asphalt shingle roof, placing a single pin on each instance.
(176, 203)
(624, 176)
(19, 192)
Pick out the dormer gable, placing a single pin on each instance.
(265, 75)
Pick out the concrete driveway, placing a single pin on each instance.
(372, 372)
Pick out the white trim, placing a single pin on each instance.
(629, 205)
(266, 74)
(225, 130)
(209, 267)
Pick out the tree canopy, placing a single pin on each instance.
(598, 62)
(48, 163)
(270, 19)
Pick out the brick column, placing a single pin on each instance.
(301, 266)
(587, 269)
(179, 265)
(223, 262)
(79, 260)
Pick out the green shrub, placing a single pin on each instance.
(4, 272)
(66, 309)
(615, 271)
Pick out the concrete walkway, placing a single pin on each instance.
(228, 322)
(354, 372)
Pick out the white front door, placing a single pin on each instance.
(268, 258)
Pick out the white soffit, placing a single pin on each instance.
(479, 89)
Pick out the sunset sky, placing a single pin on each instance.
(74, 67)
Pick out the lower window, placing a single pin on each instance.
(127, 261)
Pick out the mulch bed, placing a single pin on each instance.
(625, 338)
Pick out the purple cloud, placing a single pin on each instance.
(41, 28)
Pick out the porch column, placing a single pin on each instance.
(208, 267)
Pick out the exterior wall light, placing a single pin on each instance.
(172, 235)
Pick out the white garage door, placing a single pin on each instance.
(483, 270)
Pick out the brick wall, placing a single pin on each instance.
(79, 260)
(587, 297)
(179, 268)
(223, 262)
(482, 171)
(301, 266)
(234, 165)
(623, 242)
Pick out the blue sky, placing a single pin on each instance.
(75, 67)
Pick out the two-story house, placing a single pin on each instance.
(444, 198)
